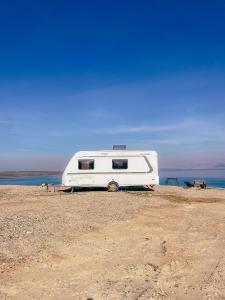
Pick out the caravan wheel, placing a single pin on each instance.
(113, 186)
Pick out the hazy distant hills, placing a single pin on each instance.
(6, 174)
(219, 166)
(212, 166)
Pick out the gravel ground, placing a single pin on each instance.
(166, 244)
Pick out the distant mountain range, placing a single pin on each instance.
(219, 166)
(6, 174)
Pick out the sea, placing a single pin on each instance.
(214, 178)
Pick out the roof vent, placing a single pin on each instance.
(119, 147)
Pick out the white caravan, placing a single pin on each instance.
(112, 169)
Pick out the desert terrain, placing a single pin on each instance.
(162, 244)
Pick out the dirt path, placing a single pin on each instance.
(167, 244)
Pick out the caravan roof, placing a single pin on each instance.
(115, 153)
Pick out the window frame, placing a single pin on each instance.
(113, 161)
(86, 160)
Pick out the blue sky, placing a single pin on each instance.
(89, 74)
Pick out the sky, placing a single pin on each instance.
(84, 75)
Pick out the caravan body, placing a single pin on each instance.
(99, 168)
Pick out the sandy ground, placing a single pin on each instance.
(166, 244)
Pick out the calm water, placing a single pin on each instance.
(214, 178)
(31, 180)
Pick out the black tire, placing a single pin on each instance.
(113, 186)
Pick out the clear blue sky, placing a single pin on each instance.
(89, 74)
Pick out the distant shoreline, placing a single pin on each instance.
(190, 169)
(7, 174)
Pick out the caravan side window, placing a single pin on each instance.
(120, 164)
(86, 164)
